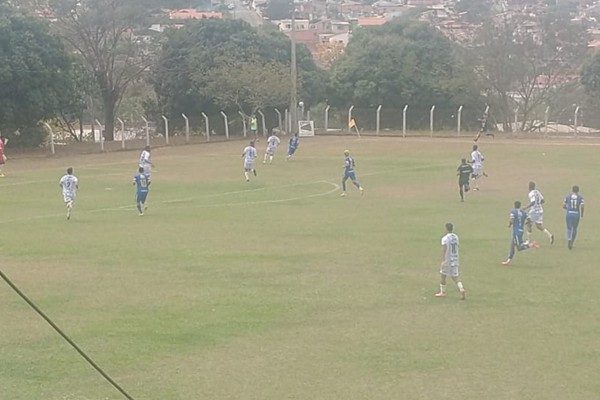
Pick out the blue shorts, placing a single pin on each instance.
(518, 238)
(350, 174)
(141, 197)
(291, 150)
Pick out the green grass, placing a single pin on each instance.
(280, 289)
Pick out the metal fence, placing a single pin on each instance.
(377, 120)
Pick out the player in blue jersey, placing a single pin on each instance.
(349, 174)
(142, 182)
(293, 146)
(574, 206)
(249, 156)
(518, 221)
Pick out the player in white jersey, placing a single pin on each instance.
(145, 161)
(536, 212)
(449, 266)
(272, 144)
(69, 184)
(249, 156)
(477, 161)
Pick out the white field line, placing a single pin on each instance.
(334, 186)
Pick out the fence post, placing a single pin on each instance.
(245, 132)
(546, 121)
(350, 117)
(327, 117)
(517, 119)
(147, 131)
(404, 120)
(206, 126)
(51, 138)
(226, 125)
(262, 119)
(187, 128)
(431, 120)
(459, 120)
(575, 119)
(278, 119)
(122, 133)
(378, 120)
(288, 121)
(101, 128)
(166, 129)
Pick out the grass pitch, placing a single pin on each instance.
(280, 289)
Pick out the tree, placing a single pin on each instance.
(102, 31)
(35, 72)
(247, 86)
(201, 60)
(523, 59)
(415, 65)
(590, 75)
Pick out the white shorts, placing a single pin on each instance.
(271, 150)
(248, 165)
(147, 168)
(68, 197)
(449, 270)
(477, 169)
(537, 217)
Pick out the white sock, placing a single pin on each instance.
(547, 232)
(460, 286)
(442, 288)
(246, 175)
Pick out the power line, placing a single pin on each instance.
(64, 336)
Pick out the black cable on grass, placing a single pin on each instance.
(64, 336)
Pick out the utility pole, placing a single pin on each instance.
(294, 75)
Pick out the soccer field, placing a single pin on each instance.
(280, 289)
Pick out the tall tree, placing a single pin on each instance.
(202, 64)
(35, 72)
(524, 58)
(415, 65)
(249, 85)
(102, 31)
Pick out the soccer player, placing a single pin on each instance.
(145, 161)
(477, 161)
(464, 172)
(349, 173)
(536, 213)
(142, 182)
(254, 127)
(3, 142)
(272, 143)
(574, 206)
(449, 265)
(518, 220)
(69, 184)
(249, 156)
(484, 127)
(293, 146)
